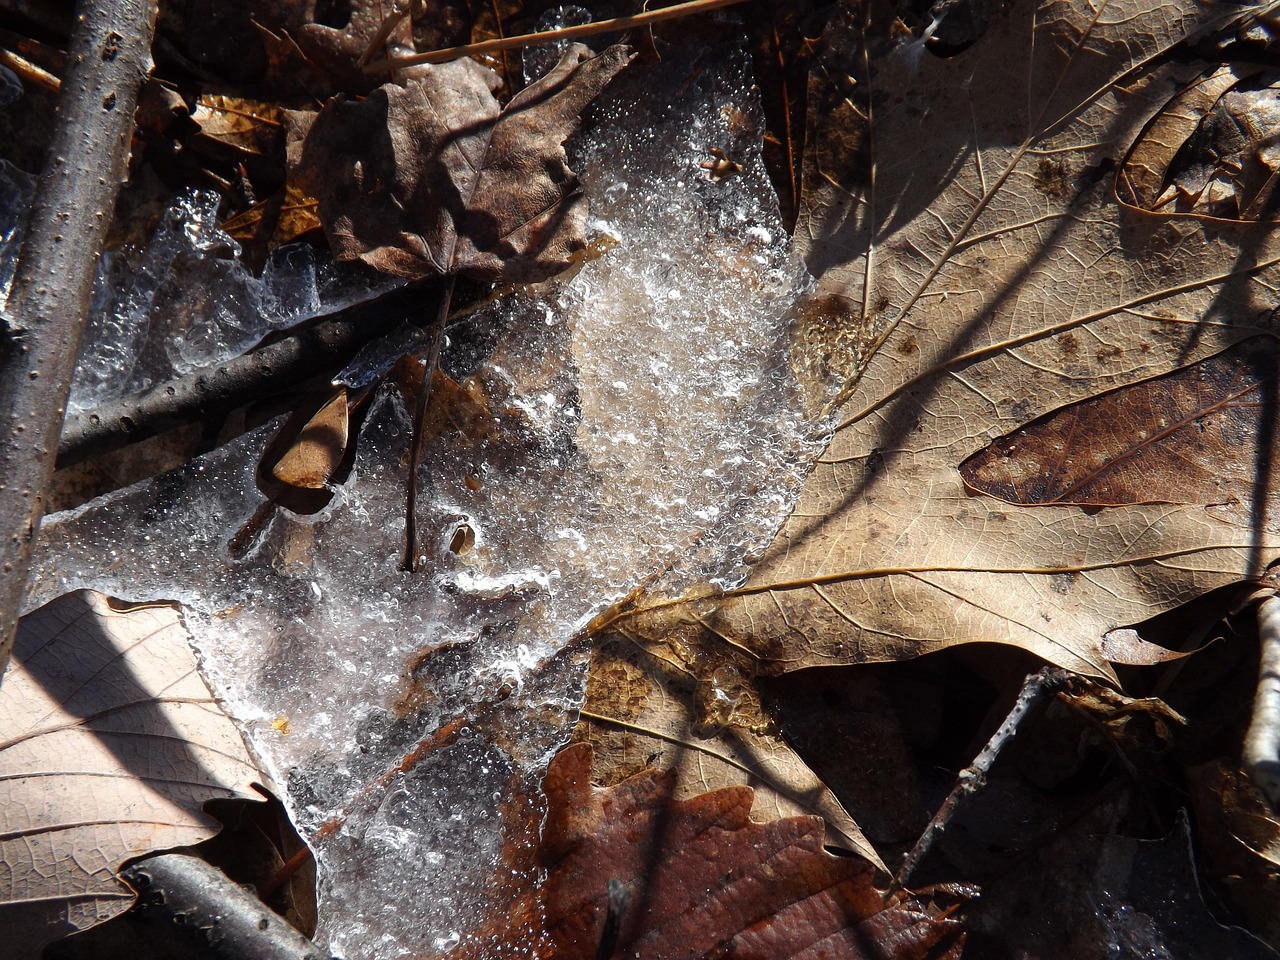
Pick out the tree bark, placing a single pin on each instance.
(194, 909)
(108, 60)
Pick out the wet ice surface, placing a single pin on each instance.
(645, 428)
(187, 302)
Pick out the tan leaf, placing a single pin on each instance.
(433, 178)
(317, 452)
(684, 703)
(236, 127)
(995, 278)
(698, 878)
(113, 743)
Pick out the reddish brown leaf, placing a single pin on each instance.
(1197, 435)
(434, 178)
(703, 880)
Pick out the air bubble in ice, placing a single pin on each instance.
(540, 58)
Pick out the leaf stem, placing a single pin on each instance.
(429, 363)
(550, 36)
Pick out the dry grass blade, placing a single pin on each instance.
(551, 36)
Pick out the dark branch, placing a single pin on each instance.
(213, 393)
(108, 61)
(190, 905)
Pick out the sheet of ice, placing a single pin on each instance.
(643, 424)
(16, 190)
(187, 301)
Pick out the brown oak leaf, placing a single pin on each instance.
(698, 878)
(434, 178)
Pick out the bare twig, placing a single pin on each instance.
(28, 71)
(551, 36)
(215, 392)
(1262, 742)
(108, 61)
(189, 904)
(1035, 689)
(384, 30)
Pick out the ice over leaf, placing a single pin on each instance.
(112, 743)
(435, 178)
(995, 278)
(638, 419)
(680, 700)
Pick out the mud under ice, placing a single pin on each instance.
(643, 427)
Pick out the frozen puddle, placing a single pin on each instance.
(648, 425)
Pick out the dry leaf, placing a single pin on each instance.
(1238, 836)
(293, 48)
(700, 879)
(234, 127)
(113, 743)
(1208, 419)
(433, 178)
(313, 460)
(683, 702)
(281, 218)
(1211, 151)
(994, 278)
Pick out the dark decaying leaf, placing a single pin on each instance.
(1197, 435)
(1238, 836)
(434, 178)
(294, 49)
(700, 879)
(112, 744)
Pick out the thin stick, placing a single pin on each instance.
(108, 61)
(1035, 689)
(214, 392)
(384, 31)
(551, 36)
(1262, 742)
(429, 363)
(28, 71)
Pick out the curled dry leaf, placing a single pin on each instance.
(112, 744)
(1211, 151)
(698, 878)
(961, 215)
(434, 178)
